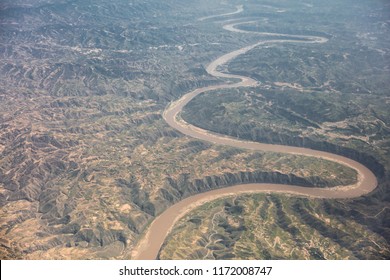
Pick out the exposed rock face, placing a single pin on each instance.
(274, 137)
(284, 139)
(175, 190)
(48, 178)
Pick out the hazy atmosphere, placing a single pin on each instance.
(204, 129)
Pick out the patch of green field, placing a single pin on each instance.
(264, 226)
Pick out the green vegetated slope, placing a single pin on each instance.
(331, 97)
(270, 226)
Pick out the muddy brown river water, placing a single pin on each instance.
(150, 243)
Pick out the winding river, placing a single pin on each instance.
(149, 245)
